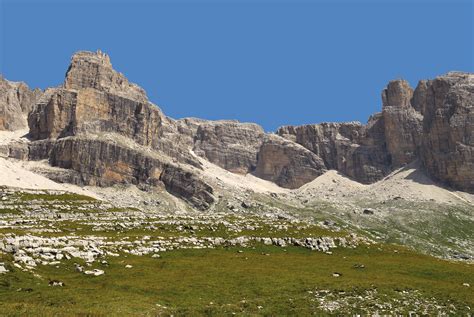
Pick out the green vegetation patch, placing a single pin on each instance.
(264, 280)
(64, 197)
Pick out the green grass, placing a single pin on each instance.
(64, 197)
(15, 211)
(187, 281)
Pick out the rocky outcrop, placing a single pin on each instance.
(402, 123)
(52, 117)
(229, 144)
(64, 112)
(287, 163)
(16, 101)
(186, 185)
(447, 147)
(99, 162)
(323, 139)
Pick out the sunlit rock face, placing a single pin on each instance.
(16, 101)
(287, 163)
(229, 144)
(447, 147)
(357, 150)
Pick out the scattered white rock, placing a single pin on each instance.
(95, 272)
(3, 269)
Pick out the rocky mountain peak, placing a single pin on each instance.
(97, 57)
(94, 70)
(397, 94)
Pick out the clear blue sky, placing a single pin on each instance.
(270, 62)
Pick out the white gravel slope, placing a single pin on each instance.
(15, 173)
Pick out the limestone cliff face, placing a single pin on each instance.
(229, 144)
(64, 112)
(16, 100)
(95, 99)
(287, 163)
(447, 147)
(351, 148)
(402, 122)
(99, 162)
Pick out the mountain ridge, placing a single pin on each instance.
(105, 131)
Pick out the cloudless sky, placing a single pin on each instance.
(270, 62)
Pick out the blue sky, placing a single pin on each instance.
(270, 62)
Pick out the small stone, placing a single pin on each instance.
(245, 205)
(95, 272)
(3, 269)
(358, 266)
(368, 211)
(56, 283)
